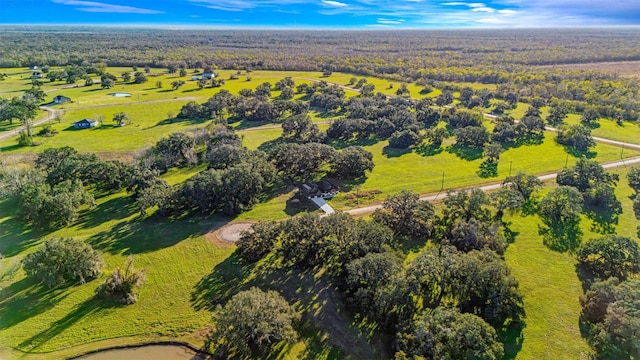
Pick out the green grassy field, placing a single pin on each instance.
(550, 285)
(187, 267)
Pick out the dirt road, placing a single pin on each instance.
(489, 187)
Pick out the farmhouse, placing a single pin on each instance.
(36, 75)
(85, 124)
(323, 189)
(61, 99)
(208, 75)
(196, 78)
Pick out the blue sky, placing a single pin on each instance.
(349, 14)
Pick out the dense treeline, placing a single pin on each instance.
(363, 53)
(457, 287)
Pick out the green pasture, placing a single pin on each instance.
(608, 128)
(550, 285)
(421, 170)
(149, 123)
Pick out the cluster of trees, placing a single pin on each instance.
(611, 302)
(249, 105)
(445, 303)
(63, 261)
(304, 162)
(251, 323)
(53, 193)
(633, 177)
(585, 187)
(529, 129)
(236, 177)
(24, 109)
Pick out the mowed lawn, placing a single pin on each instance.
(607, 128)
(175, 258)
(550, 285)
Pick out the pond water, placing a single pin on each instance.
(146, 352)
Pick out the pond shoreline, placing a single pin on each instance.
(182, 344)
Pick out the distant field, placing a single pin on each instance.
(620, 68)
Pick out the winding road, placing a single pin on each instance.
(51, 114)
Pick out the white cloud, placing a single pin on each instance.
(483, 9)
(389, 21)
(333, 3)
(92, 6)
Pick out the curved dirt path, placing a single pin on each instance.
(51, 114)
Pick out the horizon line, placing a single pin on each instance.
(176, 27)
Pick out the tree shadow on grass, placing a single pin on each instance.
(15, 235)
(92, 305)
(512, 338)
(297, 204)
(525, 141)
(468, 153)
(324, 315)
(268, 145)
(150, 234)
(341, 144)
(176, 120)
(11, 147)
(246, 124)
(223, 282)
(24, 299)
(428, 150)
(561, 238)
(116, 208)
(391, 152)
(588, 154)
(604, 220)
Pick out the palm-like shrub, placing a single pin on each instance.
(123, 285)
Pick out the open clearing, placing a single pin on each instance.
(621, 68)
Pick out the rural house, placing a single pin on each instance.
(323, 189)
(85, 124)
(60, 99)
(208, 75)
